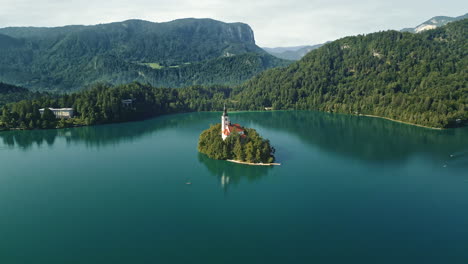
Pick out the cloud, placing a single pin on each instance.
(275, 22)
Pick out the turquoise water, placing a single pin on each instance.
(349, 190)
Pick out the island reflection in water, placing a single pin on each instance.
(232, 173)
(363, 138)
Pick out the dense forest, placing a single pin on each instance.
(102, 104)
(251, 148)
(179, 53)
(11, 93)
(418, 78)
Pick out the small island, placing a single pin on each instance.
(234, 143)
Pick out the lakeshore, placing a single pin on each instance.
(254, 164)
(403, 122)
(235, 112)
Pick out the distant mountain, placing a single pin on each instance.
(283, 49)
(291, 53)
(415, 78)
(173, 53)
(434, 22)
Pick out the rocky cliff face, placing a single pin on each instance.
(433, 23)
(175, 42)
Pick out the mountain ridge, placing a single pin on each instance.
(67, 58)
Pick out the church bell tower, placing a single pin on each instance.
(224, 122)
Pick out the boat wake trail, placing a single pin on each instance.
(458, 158)
(459, 154)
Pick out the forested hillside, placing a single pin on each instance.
(418, 78)
(179, 53)
(10, 93)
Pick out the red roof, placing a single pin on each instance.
(231, 128)
(236, 126)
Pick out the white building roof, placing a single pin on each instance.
(58, 109)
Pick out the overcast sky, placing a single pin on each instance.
(275, 22)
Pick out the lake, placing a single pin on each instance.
(350, 190)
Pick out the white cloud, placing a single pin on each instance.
(275, 22)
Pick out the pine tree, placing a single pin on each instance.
(249, 152)
(238, 151)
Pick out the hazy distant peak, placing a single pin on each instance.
(292, 53)
(433, 23)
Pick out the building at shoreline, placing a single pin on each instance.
(227, 128)
(60, 112)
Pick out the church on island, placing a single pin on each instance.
(227, 128)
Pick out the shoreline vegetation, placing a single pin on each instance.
(104, 104)
(75, 125)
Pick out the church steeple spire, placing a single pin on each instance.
(227, 128)
(225, 122)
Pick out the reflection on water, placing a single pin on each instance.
(229, 173)
(25, 139)
(97, 136)
(363, 138)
